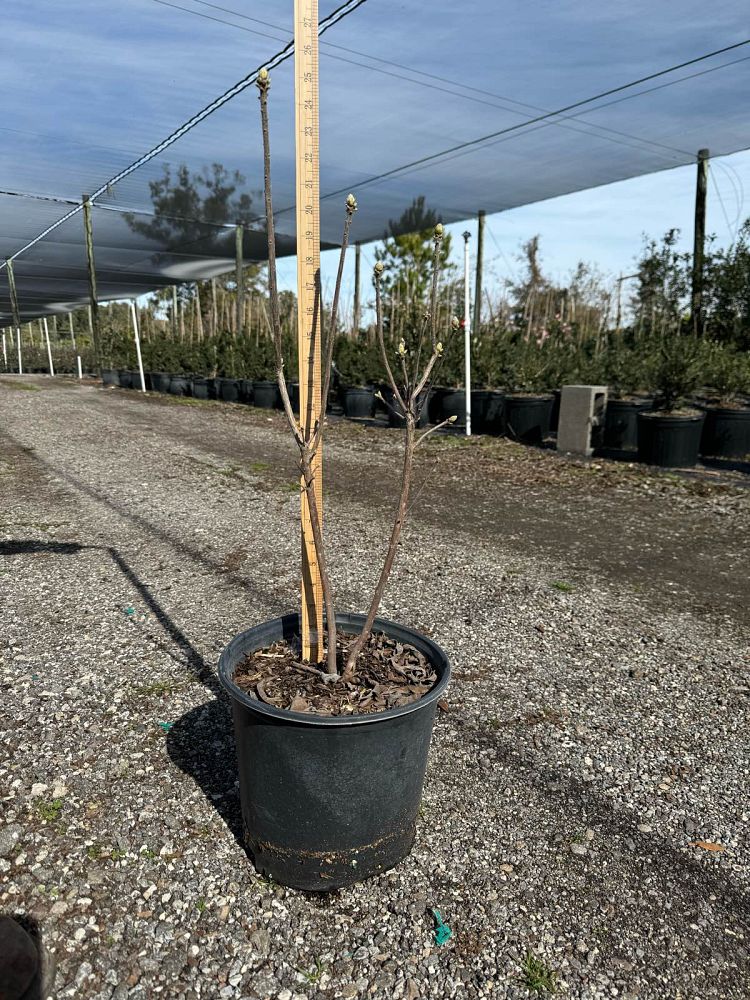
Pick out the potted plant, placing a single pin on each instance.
(262, 367)
(528, 408)
(487, 401)
(332, 752)
(359, 371)
(670, 434)
(726, 430)
(623, 371)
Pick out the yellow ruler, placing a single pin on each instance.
(308, 298)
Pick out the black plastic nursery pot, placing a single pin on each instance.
(359, 402)
(125, 379)
(160, 381)
(393, 409)
(527, 418)
(435, 404)
(246, 391)
(453, 404)
(202, 388)
(266, 394)
(487, 407)
(135, 380)
(228, 389)
(669, 439)
(554, 417)
(329, 800)
(621, 422)
(179, 385)
(726, 432)
(110, 376)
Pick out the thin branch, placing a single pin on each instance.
(379, 331)
(444, 423)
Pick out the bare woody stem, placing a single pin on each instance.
(306, 459)
(357, 646)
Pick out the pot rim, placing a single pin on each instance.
(684, 418)
(242, 642)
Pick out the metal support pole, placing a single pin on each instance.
(94, 307)
(357, 255)
(238, 238)
(49, 349)
(479, 268)
(134, 315)
(5, 352)
(15, 311)
(175, 318)
(80, 370)
(72, 334)
(467, 334)
(699, 239)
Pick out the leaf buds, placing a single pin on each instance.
(264, 80)
(351, 204)
(452, 419)
(379, 395)
(379, 268)
(455, 323)
(438, 231)
(402, 348)
(438, 348)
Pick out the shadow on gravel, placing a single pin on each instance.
(646, 857)
(17, 547)
(201, 744)
(190, 551)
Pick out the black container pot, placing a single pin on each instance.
(554, 417)
(135, 380)
(621, 422)
(487, 407)
(125, 379)
(453, 404)
(202, 388)
(329, 800)
(228, 389)
(359, 402)
(726, 432)
(435, 404)
(160, 381)
(179, 385)
(266, 394)
(293, 390)
(246, 391)
(110, 376)
(393, 409)
(527, 417)
(669, 440)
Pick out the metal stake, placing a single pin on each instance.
(467, 334)
(134, 315)
(49, 349)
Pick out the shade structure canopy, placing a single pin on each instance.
(427, 111)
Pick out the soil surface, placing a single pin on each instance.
(585, 815)
(386, 675)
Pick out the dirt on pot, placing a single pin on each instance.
(388, 675)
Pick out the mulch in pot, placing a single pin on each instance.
(388, 675)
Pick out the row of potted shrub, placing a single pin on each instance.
(631, 424)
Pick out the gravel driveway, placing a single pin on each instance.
(585, 817)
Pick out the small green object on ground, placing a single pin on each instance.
(166, 726)
(443, 933)
(129, 611)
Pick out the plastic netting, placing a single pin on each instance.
(464, 106)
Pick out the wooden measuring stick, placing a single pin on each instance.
(308, 300)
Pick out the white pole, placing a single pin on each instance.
(72, 335)
(5, 352)
(49, 349)
(134, 314)
(80, 372)
(18, 344)
(467, 335)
